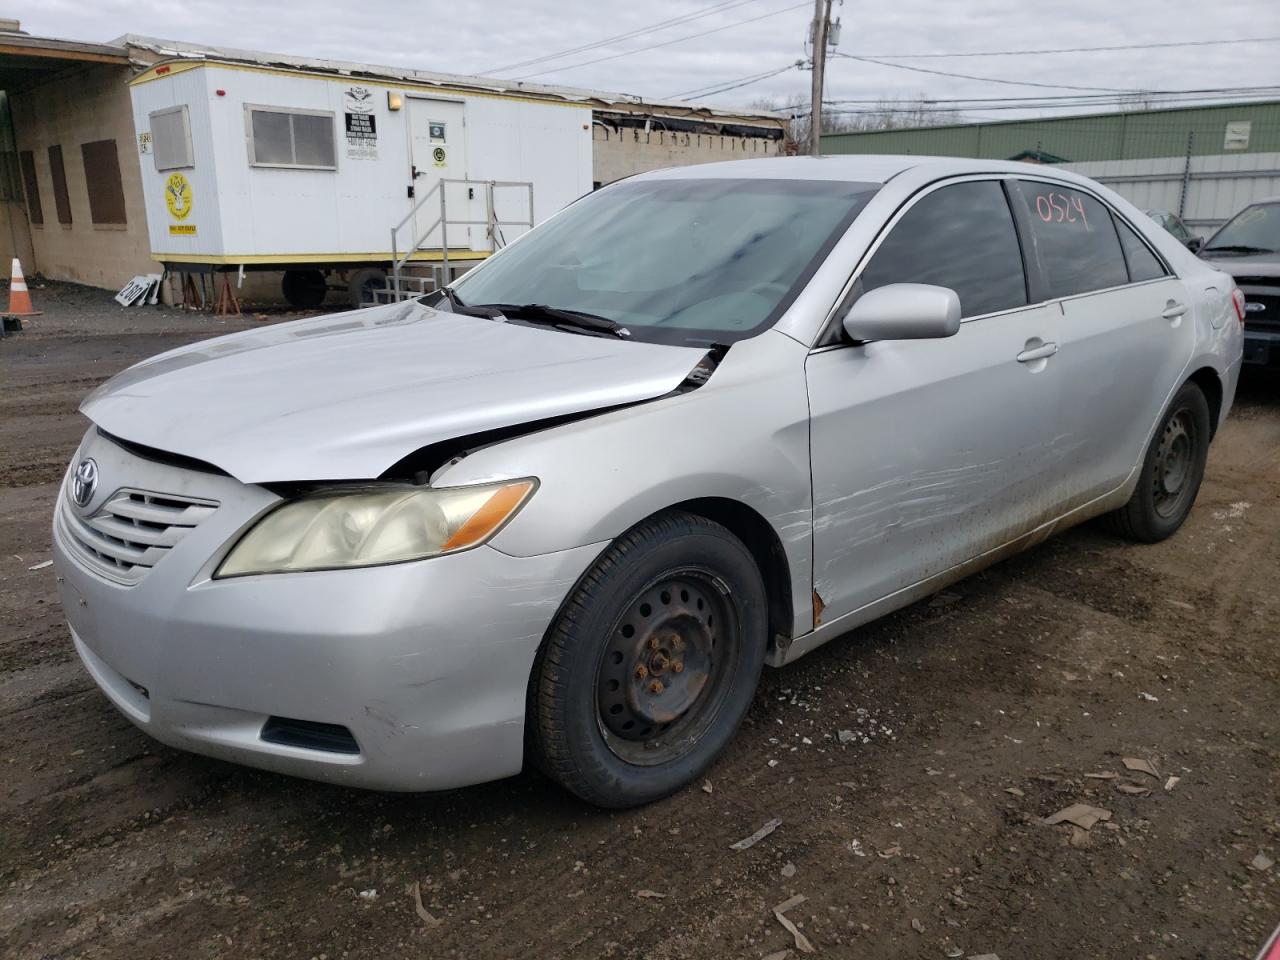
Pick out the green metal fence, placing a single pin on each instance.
(1198, 131)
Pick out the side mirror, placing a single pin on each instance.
(1195, 243)
(904, 311)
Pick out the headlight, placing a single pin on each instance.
(373, 526)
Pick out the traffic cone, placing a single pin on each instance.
(19, 298)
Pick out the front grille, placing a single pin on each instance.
(132, 531)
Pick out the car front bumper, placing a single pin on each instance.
(426, 664)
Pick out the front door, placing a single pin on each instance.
(438, 151)
(927, 453)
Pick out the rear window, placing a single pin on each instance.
(1073, 239)
(1143, 264)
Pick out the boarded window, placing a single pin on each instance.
(291, 138)
(61, 200)
(102, 177)
(27, 161)
(171, 138)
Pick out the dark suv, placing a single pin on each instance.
(1248, 247)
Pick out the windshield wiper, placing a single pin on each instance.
(558, 316)
(1237, 248)
(456, 304)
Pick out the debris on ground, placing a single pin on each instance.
(888, 853)
(1172, 782)
(706, 786)
(788, 870)
(1139, 765)
(368, 894)
(41, 566)
(846, 736)
(422, 911)
(1083, 815)
(1103, 775)
(954, 952)
(650, 895)
(1261, 862)
(1014, 792)
(1133, 789)
(916, 925)
(756, 837)
(779, 912)
(1148, 697)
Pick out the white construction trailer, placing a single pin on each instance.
(385, 186)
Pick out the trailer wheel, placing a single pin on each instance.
(304, 289)
(363, 283)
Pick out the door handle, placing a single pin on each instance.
(1174, 310)
(1038, 353)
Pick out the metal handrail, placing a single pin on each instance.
(443, 222)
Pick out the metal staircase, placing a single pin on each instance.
(406, 286)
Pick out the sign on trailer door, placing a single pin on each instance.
(437, 151)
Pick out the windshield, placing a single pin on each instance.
(1254, 229)
(676, 261)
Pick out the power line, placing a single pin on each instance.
(967, 76)
(1083, 99)
(666, 43)
(726, 85)
(638, 32)
(1033, 53)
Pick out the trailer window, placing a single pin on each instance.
(171, 138)
(291, 138)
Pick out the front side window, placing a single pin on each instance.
(291, 138)
(1254, 229)
(1073, 239)
(690, 262)
(962, 237)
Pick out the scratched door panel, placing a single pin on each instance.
(926, 453)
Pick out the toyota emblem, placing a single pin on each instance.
(84, 482)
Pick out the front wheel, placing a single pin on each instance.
(651, 664)
(1171, 471)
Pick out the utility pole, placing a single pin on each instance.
(821, 24)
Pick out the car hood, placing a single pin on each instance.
(346, 396)
(1254, 265)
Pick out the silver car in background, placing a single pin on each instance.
(699, 421)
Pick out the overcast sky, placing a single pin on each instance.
(485, 37)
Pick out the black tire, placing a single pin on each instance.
(362, 283)
(1171, 471)
(304, 289)
(685, 570)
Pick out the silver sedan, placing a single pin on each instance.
(564, 511)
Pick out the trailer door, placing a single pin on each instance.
(438, 151)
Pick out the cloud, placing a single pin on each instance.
(479, 37)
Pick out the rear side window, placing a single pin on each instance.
(1143, 264)
(1073, 239)
(962, 237)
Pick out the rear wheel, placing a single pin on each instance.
(304, 289)
(1171, 471)
(363, 285)
(652, 663)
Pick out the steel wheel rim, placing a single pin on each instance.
(1174, 464)
(666, 667)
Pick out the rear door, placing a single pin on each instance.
(1126, 335)
(926, 453)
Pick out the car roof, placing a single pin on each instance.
(860, 168)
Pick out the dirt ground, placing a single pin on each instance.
(911, 764)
